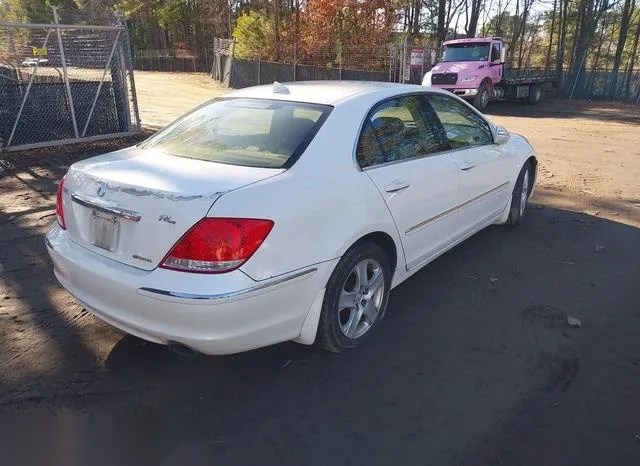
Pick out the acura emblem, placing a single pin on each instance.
(102, 188)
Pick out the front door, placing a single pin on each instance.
(495, 63)
(485, 167)
(401, 150)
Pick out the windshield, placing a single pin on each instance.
(466, 52)
(247, 132)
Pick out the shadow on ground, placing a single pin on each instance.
(475, 365)
(562, 108)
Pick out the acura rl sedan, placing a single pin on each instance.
(283, 212)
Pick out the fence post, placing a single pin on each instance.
(577, 75)
(403, 59)
(295, 60)
(259, 60)
(64, 71)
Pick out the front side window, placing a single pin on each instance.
(397, 130)
(463, 127)
(495, 52)
(466, 52)
(247, 132)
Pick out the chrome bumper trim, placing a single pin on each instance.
(222, 296)
(466, 92)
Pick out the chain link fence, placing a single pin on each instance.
(65, 82)
(173, 61)
(240, 64)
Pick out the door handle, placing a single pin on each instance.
(397, 185)
(467, 166)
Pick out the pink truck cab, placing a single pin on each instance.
(474, 70)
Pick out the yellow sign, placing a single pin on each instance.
(39, 52)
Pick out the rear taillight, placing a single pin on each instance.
(59, 209)
(217, 245)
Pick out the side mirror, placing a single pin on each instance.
(502, 135)
(503, 54)
(433, 58)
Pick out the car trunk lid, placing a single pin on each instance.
(133, 205)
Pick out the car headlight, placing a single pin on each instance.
(468, 79)
(426, 81)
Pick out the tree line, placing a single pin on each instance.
(567, 36)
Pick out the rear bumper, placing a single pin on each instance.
(212, 314)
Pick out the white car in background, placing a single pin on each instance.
(283, 212)
(35, 62)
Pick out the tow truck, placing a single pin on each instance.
(474, 69)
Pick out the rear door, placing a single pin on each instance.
(400, 149)
(484, 167)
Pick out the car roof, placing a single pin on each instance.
(327, 92)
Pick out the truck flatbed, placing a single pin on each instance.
(516, 76)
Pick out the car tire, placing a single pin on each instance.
(355, 299)
(481, 100)
(535, 95)
(520, 196)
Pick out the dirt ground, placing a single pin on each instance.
(476, 363)
(162, 97)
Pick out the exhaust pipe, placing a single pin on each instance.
(182, 350)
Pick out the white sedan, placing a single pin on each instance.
(283, 212)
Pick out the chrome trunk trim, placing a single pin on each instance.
(117, 211)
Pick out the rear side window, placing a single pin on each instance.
(247, 132)
(397, 130)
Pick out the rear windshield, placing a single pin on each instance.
(247, 132)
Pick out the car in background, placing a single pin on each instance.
(32, 62)
(283, 212)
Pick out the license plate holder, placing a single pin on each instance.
(104, 230)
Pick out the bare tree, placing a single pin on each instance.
(551, 31)
(441, 27)
(590, 13)
(632, 59)
(627, 12)
(520, 35)
(474, 16)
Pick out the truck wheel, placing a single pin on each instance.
(535, 95)
(481, 100)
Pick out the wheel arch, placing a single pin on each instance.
(386, 242)
(383, 236)
(533, 161)
(392, 249)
